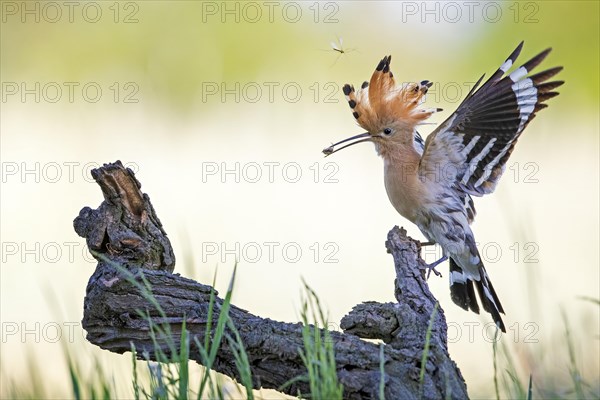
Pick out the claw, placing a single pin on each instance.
(431, 267)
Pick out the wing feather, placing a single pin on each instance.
(472, 146)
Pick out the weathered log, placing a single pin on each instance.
(125, 231)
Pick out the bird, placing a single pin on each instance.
(432, 182)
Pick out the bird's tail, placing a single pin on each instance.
(462, 292)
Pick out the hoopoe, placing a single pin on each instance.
(431, 182)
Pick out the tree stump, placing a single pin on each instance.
(125, 230)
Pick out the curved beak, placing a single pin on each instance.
(363, 137)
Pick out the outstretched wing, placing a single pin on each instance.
(470, 149)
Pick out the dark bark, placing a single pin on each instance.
(125, 231)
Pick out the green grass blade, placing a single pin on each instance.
(518, 387)
(574, 370)
(241, 360)
(318, 354)
(74, 379)
(184, 355)
(136, 385)
(381, 373)
(211, 304)
(426, 348)
(212, 346)
(590, 299)
(495, 361)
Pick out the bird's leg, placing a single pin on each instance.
(431, 267)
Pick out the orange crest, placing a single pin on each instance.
(381, 102)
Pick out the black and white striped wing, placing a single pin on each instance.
(478, 138)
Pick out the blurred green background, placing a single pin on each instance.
(184, 92)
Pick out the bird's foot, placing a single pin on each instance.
(431, 267)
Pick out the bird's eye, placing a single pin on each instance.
(387, 131)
